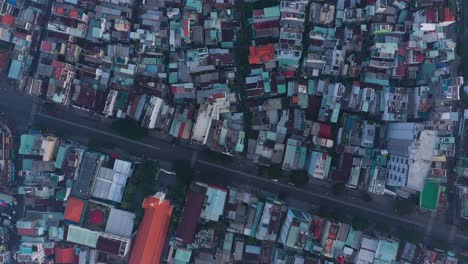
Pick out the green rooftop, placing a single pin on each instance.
(61, 156)
(194, 4)
(273, 11)
(182, 256)
(28, 145)
(429, 198)
(386, 252)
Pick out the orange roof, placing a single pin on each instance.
(64, 255)
(261, 53)
(74, 210)
(60, 10)
(74, 13)
(151, 235)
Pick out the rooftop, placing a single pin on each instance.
(151, 236)
(74, 210)
(120, 223)
(429, 197)
(214, 203)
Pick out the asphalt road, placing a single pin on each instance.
(21, 110)
(81, 127)
(159, 149)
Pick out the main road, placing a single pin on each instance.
(25, 112)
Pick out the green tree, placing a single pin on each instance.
(217, 156)
(360, 223)
(338, 216)
(464, 228)
(271, 172)
(49, 107)
(382, 227)
(183, 171)
(410, 235)
(276, 172)
(130, 189)
(140, 185)
(366, 197)
(300, 178)
(323, 212)
(129, 128)
(404, 206)
(338, 189)
(125, 205)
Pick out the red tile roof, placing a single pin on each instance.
(317, 228)
(402, 51)
(186, 27)
(191, 214)
(295, 99)
(266, 24)
(431, 16)
(74, 210)
(27, 231)
(258, 13)
(261, 53)
(342, 175)
(325, 131)
(152, 233)
(76, 259)
(4, 59)
(64, 255)
(60, 10)
(74, 13)
(289, 74)
(400, 71)
(49, 251)
(8, 20)
(46, 46)
(341, 260)
(445, 15)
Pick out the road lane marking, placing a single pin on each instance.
(98, 131)
(194, 159)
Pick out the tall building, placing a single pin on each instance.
(411, 150)
(152, 232)
(399, 139)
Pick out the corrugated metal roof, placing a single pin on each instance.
(82, 236)
(120, 223)
(214, 204)
(273, 11)
(74, 210)
(191, 213)
(15, 69)
(61, 156)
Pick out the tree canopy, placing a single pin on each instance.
(338, 189)
(129, 128)
(300, 178)
(360, 223)
(404, 206)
